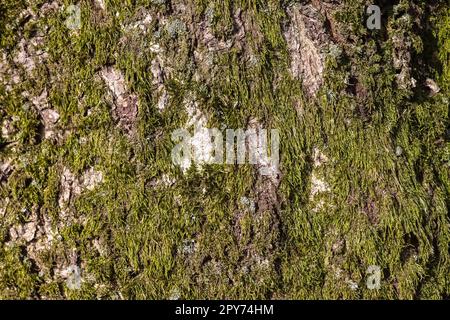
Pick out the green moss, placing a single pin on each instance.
(388, 208)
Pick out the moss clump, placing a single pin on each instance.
(148, 231)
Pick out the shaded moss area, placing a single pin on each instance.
(147, 230)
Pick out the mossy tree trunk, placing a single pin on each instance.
(92, 205)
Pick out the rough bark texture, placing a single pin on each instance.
(92, 206)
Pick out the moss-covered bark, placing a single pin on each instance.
(92, 206)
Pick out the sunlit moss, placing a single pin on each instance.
(387, 168)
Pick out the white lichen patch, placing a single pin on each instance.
(70, 271)
(188, 247)
(25, 231)
(175, 27)
(72, 274)
(319, 185)
(248, 204)
(91, 179)
(175, 294)
(115, 81)
(50, 117)
(100, 4)
(201, 139)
